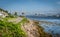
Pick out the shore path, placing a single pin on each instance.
(15, 20)
(31, 29)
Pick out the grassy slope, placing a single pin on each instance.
(8, 29)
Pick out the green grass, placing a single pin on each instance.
(8, 29)
(23, 21)
(9, 18)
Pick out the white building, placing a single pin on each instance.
(3, 14)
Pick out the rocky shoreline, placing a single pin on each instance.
(32, 29)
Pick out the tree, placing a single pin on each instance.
(3, 10)
(36, 14)
(22, 13)
(15, 14)
(0, 9)
(9, 14)
(6, 11)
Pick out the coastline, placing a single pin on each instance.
(34, 30)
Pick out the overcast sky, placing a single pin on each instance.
(31, 6)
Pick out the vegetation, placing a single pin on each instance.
(8, 29)
(15, 14)
(22, 13)
(3, 10)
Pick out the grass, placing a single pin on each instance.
(8, 29)
(24, 21)
(9, 18)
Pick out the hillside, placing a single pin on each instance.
(21, 29)
(12, 26)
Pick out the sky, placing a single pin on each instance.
(31, 6)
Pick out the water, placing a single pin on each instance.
(50, 25)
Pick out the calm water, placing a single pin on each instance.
(50, 25)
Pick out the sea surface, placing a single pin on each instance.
(50, 24)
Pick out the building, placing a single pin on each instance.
(3, 14)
